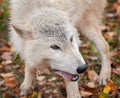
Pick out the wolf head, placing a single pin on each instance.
(52, 38)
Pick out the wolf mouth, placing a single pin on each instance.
(67, 76)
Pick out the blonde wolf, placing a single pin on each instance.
(41, 28)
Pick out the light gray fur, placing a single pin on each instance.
(38, 24)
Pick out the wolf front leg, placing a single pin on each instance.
(72, 89)
(26, 87)
(93, 33)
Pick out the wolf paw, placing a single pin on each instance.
(25, 92)
(103, 79)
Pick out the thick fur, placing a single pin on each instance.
(38, 24)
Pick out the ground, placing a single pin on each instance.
(49, 85)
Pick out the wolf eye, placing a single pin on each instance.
(71, 39)
(55, 47)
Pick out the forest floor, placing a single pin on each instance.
(50, 85)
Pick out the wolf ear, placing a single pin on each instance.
(24, 34)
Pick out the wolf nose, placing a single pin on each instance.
(82, 68)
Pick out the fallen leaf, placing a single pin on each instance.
(40, 95)
(103, 95)
(115, 5)
(1, 66)
(85, 93)
(16, 66)
(118, 1)
(4, 48)
(2, 82)
(9, 43)
(34, 95)
(55, 91)
(7, 62)
(40, 78)
(91, 84)
(92, 75)
(24, 97)
(52, 79)
(1, 1)
(91, 87)
(17, 90)
(109, 35)
(11, 82)
(9, 79)
(1, 12)
(42, 82)
(6, 56)
(111, 15)
(116, 71)
(118, 10)
(114, 53)
(105, 28)
(46, 71)
(113, 85)
(110, 86)
(107, 89)
(7, 95)
(85, 46)
(7, 75)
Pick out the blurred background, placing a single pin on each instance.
(51, 86)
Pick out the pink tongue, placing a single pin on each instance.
(65, 75)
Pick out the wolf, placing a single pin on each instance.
(46, 33)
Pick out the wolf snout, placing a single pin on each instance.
(82, 68)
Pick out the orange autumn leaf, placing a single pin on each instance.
(1, 66)
(34, 94)
(109, 35)
(110, 86)
(113, 85)
(4, 48)
(9, 79)
(107, 89)
(11, 82)
(1, 1)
